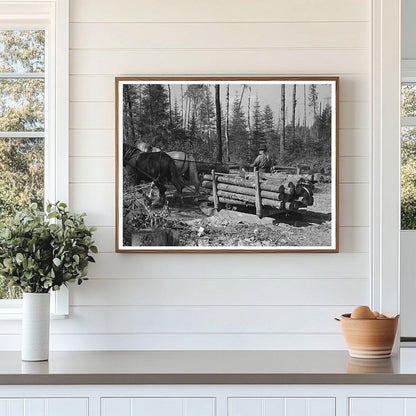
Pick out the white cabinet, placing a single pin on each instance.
(44, 407)
(281, 406)
(146, 406)
(382, 406)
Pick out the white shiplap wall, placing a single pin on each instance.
(218, 301)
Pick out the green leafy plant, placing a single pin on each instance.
(43, 251)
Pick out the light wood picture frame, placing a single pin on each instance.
(227, 164)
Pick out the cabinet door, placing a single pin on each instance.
(382, 407)
(44, 407)
(160, 406)
(253, 406)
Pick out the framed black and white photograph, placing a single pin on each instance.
(227, 164)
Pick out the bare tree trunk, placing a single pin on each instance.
(304, 118)
(185, 122)
(132, 139)
(283, 117)
(248, 121)
(140, 101)
(182, 109)
(241, 98)
(227, 115)
(218, 113)
(304, 106)
(170, 105)
(294, 114)
(188, 111)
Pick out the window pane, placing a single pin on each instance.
(408, 100)
(21, 173)
(22, 104)
(21, 182)
(408, 178)
(21, 109)
(22, 51)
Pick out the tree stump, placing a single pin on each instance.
(155, 237)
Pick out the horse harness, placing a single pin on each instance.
(135, 153)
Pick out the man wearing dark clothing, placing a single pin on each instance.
(262, 161)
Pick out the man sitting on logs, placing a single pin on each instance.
(262, 161)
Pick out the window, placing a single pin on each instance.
(22, 124)
(408, 155)
(33, 111)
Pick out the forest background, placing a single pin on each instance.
(226, 123)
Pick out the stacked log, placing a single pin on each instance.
(282, 192)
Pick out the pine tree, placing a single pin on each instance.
(257, 130)
(323, 127)
(283, 122)
(270, 131)
(154, 120)
(207, 116)
(238, 134)
(313, 99)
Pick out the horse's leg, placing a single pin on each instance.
(177, 183)
(162, 193)
(193, 173)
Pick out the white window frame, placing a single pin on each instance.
(53, 17)
(385, 148)
(408, 237)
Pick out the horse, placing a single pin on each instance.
(185, 163)
(156, 167)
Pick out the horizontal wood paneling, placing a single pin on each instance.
(100, 88)
(201, 319)
(218, 11)
(92, 169)
(222, 300)
(220, 62)
(354, 170)
(267, 265)
(146, 342)
(96, 199)
(194, 320)
(94, 143)
(354, 142)
(352, 239)
(354, 208)
(101, 115)
(92, 115)
(104, 238)
(221, 291)
(220, 35)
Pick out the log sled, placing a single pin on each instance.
(271, 193)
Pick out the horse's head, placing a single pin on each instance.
(143, 147)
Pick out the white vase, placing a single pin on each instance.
(35, 326)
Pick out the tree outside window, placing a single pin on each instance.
(22, 124)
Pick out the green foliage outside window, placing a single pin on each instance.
(408, 160)
(21, 110)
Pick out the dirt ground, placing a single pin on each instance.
(199, 225)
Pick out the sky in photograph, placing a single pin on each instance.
(268, 94)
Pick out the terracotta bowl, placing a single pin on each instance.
(369, 338)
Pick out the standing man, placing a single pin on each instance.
(262, 161)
